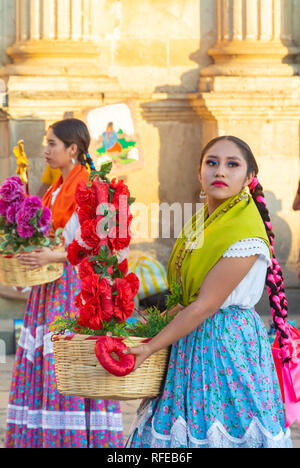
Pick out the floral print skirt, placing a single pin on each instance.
(38, 416)
(221, 390)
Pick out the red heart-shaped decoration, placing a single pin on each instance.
(104, 348)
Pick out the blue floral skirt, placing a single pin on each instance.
(221, 390)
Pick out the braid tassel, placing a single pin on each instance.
(88, 162)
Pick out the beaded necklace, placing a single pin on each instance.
(191, 242)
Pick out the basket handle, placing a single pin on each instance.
(55, 336)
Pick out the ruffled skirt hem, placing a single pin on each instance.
(256, 436)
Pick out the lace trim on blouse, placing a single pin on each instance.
(248, 247)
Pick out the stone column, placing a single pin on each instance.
(53, 38)
(57, 69)
(4, 146)
(254, 38)
(252, 91)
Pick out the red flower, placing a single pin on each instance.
(91, 289)
(134, 282)
(123, 267)
(127, 289)
(85, 196)
(123, 236)
(120, 189)
(75, 252)
(85, 268)
(89, 234)
(89, 317)
(89, 314)
(85, 214)
(107, 303)
(100, 190)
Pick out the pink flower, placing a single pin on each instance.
(25, 230)
(45, 221)
(25, 215)
(11, 189)
(12, 210)
(3, 208)
(31, 206)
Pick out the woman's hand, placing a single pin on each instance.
(37, 258)
(141, 353)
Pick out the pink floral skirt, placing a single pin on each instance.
(38, 416)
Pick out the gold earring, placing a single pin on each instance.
(202, 196)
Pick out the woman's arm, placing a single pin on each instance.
(41, 257)
(221, 280)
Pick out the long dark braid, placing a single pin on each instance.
(274, 279)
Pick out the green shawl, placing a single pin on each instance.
(236, 219)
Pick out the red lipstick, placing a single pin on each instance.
(219, 183)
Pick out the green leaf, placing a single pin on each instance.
(106, 168)
(112, 260)
(104, 251)
(102, 173)
(175, 297)
(57, 235)
(155, 322)
(111, 193)
(131, 200)
(46, 242)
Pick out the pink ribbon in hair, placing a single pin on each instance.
(289, 374)
(253, 184)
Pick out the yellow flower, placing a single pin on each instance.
(22, 161)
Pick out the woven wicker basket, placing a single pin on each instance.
(13, 273)
(79, 373)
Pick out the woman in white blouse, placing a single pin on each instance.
(38, 415)
(221, 387)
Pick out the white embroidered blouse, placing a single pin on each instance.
(249, 291)
(71, 226)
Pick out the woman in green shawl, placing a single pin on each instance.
(221, 388)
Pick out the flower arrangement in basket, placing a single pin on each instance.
(24, 226)
(89, 360)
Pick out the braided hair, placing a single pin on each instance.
(274, 278)
(88, 162)
(75, 131)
